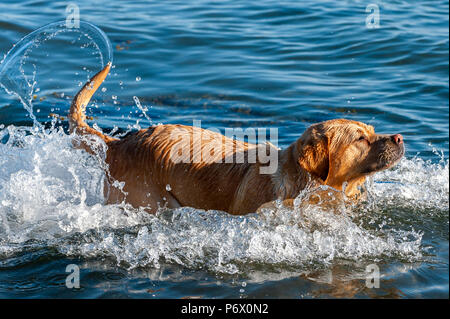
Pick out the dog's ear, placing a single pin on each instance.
(313, 152)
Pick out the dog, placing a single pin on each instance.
(339, 153)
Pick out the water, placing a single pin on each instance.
(276, 64)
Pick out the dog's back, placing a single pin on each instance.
(183, 166)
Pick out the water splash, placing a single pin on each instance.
(57, 201)
(19, 67)
(413, 184)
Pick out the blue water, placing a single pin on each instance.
(274, 64)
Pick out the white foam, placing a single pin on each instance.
(51, 195)
(415, 183)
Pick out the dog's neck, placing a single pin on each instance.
(290, 178)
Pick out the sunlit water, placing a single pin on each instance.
(282, 65)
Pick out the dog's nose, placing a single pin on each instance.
(397, 138)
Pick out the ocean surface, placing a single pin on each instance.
(229, 64)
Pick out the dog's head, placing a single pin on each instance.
(339, 151)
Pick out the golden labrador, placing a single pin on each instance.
(154, 174)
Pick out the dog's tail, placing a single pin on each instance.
(77, 116)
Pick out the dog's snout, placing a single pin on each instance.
(397, 139)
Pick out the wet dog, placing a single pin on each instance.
(334, 153)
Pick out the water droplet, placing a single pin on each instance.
(138, 78)
(168, 188)
(103, 89)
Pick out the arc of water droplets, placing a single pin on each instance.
(143, 109)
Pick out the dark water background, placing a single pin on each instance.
(273, 64)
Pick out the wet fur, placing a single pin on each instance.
(329, 153)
